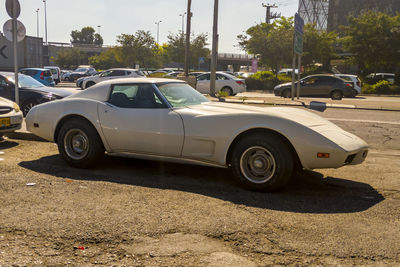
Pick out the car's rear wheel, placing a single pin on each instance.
(227, 90)
(337, 95)
(27, 106)
(262, 162)
(79, 143)
(287, 93)
(89, 84)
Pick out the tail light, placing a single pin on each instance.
(42, 75)
(349, 85)
(240, 82)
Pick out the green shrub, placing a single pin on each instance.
(265, 80)
(381, 88)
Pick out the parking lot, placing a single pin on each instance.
(136, 212)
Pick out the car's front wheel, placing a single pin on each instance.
(27, 106)
(287, 93)
(89, 84)
(262, 162)
(79, 143)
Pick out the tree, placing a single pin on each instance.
(175, 49)
(139, 48)
(112, 58)
(374, 40)
(273, 43)
(86, 36)
(319, 46)
(69, 58)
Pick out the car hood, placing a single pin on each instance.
(299, 116)
(5, 102)
(283, 85)
(56, 91)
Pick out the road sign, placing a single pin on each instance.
(2, 52)
(298, 24)
(298, 43)
(10, 10)
(8, 30)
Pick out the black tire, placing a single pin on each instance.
(87, 149)
(89, 84)
(27, 105)
(227, 90)
(273, 156)
(286, 93)
(337, 95)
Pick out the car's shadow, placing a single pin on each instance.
(309, 192)
(7, 144)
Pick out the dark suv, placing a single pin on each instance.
(319, 86)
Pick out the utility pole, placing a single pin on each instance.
(183, 22)
(45, 20)
(187, 46)
(37, 22)
(269, 16)
(158, 31)
(214, 53)
(99, 27)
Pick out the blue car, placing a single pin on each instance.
(43, 76)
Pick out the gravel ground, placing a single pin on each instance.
(134, 212)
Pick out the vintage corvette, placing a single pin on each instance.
(167, 119)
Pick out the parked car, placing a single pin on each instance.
(319, 86)
(43, 76)
(244, 74)
(353, 79)
(31, 92)
(79, 82)
(111, 74)
(376, 77)
(65, 74)
(196, 73)
(224, 82)
(288, 72)
(80, 72)
(55, 72)
(167, 119)
(10, 117)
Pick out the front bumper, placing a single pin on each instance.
(16, 122)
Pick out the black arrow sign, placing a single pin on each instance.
(2, 52)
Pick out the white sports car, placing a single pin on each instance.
(169, 120)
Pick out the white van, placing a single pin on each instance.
(55, 73)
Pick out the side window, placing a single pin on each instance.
(3, 84)
(311, 81)
(221, 77)
(128, 73)
(141, 96)
(105, 74)
(204, 77)
(116, 73)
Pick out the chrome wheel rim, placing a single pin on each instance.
(76, 144)
(257, 165)
(28, 107)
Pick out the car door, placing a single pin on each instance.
(136, 120)
(308, 86)
(203, 83)
(222, 81)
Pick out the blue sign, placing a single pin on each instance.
(298, 24)
(201, 60)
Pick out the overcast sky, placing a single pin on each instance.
(128, 16)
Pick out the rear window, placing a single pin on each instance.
(346, 78)
(54, 71)
(47, 73)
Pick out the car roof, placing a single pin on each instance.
(41, 69)
(141, 80)
(124, 69)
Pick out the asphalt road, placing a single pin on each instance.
(135, 212)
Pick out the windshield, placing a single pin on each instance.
(81, 70)
(181, 94)
(25, 81)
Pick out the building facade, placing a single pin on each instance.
(340, 10)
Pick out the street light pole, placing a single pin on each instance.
(37, 22)
(214, 54)
(183, 22)
(158, 31)
(99, 27)
(187, 45)
(45, 20)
